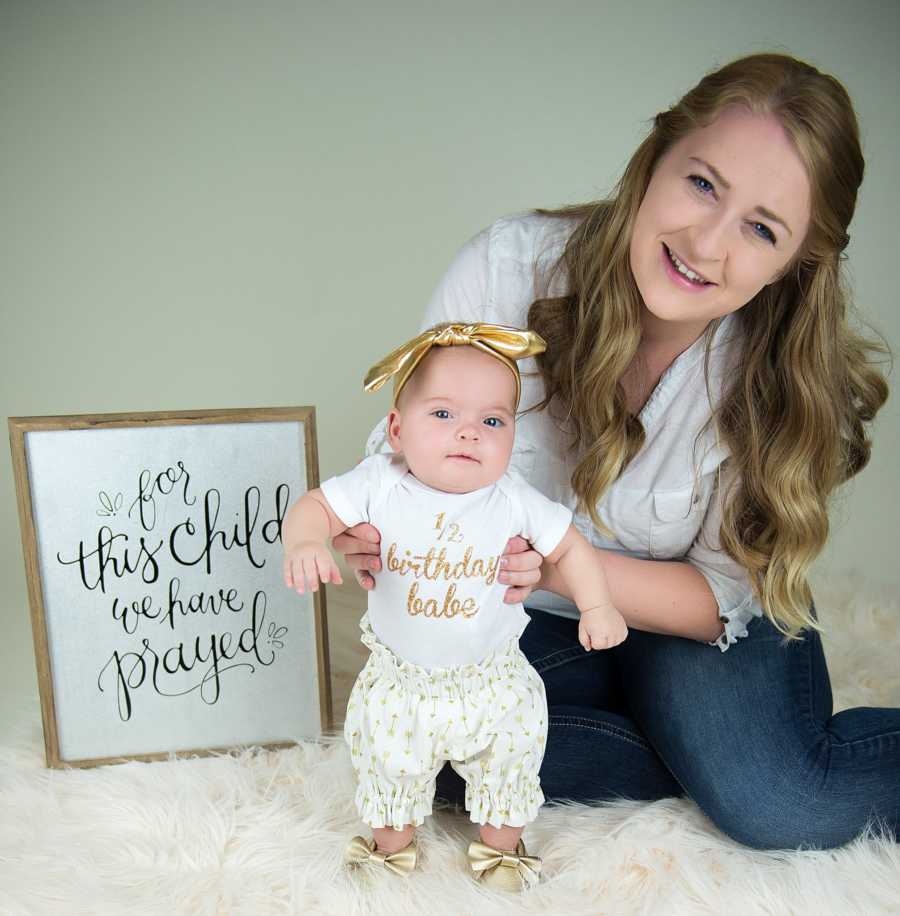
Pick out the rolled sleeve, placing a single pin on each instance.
(727, 580)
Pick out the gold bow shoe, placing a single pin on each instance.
(504, 871)
(363, 852)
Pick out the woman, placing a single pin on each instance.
(700, 399)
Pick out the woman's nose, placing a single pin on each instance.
(708, 242)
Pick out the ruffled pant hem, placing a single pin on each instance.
(396, 808)
(512, 806)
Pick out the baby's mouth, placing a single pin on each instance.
(464, 457)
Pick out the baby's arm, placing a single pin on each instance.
(310, 522)
(601, 625)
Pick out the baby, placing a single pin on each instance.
(446, 680)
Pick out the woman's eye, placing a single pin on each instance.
(494, 422)
(707, 185)
(766, 232)
(441, 414)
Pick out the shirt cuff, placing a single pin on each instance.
(736, 621)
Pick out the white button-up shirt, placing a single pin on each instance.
(666, 503)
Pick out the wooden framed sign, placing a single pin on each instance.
(153, 555)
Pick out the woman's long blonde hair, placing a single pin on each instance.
(794, 416)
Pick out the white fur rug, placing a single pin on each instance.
(263, 832)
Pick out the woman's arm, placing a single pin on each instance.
(658, 596)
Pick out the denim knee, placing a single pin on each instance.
(784, 820)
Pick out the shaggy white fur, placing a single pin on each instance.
(263, 832)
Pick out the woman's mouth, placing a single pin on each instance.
(681, 273)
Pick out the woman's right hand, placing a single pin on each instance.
(521, 568)
(361, 549)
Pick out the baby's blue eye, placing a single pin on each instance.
(493, 422)
(441, 414)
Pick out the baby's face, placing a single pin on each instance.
(455, 421)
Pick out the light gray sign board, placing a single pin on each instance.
(168, 624)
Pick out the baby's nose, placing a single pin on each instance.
(467, 431)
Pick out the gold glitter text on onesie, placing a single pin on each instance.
(433, 565)
(449, 607)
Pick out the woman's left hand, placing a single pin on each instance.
(520, 568)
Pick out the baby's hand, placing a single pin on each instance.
(601, 628)
(310, 562)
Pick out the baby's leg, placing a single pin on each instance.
(504, 838)
(389, 839)
(391, 752)
(503, 790)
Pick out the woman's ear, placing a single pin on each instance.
(393, 429)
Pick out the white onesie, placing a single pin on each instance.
(437, 601)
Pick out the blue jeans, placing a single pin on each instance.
(748, 734)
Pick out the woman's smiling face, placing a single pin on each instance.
(731, 202)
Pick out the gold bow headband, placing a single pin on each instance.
(504, 343)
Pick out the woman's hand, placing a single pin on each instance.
(520, 567)
(361, 549)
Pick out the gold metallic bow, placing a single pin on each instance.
(505, 343)
(402, 862)
(504, 870)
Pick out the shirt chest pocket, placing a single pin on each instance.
(675, 522)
